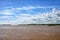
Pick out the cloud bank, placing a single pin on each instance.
(15, 16)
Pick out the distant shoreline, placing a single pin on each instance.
(28, 24)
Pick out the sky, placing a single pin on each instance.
(29, 12)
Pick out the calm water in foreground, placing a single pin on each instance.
(30, 32)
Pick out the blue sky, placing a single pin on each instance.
(20, 3)
(29, 11)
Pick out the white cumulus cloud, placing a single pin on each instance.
(39, 18)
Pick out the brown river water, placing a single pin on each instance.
(30, 32)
